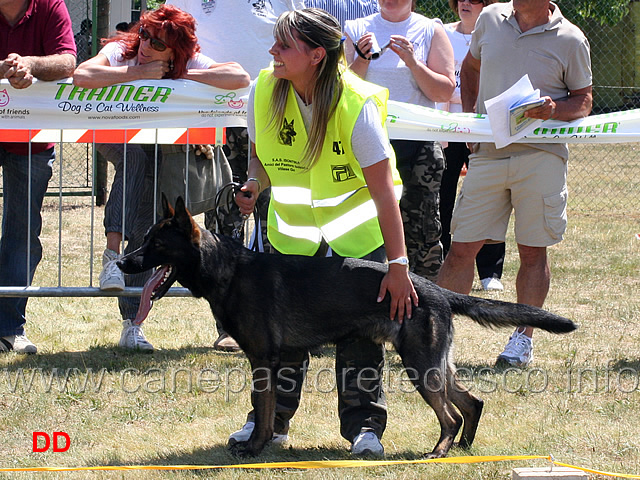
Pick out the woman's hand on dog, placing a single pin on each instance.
(403, 295)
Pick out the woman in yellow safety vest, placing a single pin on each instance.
(318, 139)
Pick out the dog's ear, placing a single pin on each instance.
(167, 209)
(181, 207)
(183, 217)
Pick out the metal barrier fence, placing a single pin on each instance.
(71, 252)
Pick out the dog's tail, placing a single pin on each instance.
(494, 313)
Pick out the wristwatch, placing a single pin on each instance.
(400, 260)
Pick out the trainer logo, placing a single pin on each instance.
(114, 93)
(342, 173)
(229, 99)
(236, 104)
(42, 442)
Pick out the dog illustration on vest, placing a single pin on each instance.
(287, 133)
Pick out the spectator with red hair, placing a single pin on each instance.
(162, 45)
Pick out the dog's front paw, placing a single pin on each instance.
(435, 454)
(240, 449)
(463, 443)
(245, 449)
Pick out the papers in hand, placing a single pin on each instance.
(517, 120)
(506, 112)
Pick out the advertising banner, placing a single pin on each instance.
(181, 104)
(139, 104)
(412, 122)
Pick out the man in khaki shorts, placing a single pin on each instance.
(511, 40)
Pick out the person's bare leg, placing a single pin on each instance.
(533, 279)
(114, 241)
(457, 271)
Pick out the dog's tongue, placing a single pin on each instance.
(145, 299)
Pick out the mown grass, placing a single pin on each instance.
(579, 401)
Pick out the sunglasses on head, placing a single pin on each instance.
(157, 44)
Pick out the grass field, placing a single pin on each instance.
(579, 401)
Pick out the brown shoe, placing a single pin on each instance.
(225, 343)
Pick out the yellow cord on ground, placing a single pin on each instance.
(307, 465)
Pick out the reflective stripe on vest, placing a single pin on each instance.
(354, 218)
(291, 195)
(333, 229)
(302, 196)
(313, 234)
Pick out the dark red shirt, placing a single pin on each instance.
(44, 30)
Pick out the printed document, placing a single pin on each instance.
(506, 112)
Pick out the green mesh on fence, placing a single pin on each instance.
(602, 178)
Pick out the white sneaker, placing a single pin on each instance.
(17, 343)
(367, 444)
(518, 351)
(491, 283)
(244, 433)
(111, 277)
(133, 338)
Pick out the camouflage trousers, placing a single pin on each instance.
(421, 165)
(361, 400)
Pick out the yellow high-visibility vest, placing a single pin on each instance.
(331, 199)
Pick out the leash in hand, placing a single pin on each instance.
(226, 206)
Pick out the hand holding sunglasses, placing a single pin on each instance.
(374, 50)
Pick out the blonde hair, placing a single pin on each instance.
(316, 28)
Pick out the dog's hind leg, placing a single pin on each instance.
(469, 405)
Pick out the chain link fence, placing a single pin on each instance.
(602, 178)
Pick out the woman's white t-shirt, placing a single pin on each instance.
(389, 70)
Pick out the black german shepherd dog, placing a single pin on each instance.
(272, 303)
